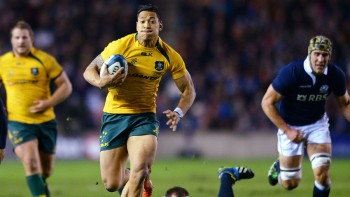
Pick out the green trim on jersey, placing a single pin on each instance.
(161, 50)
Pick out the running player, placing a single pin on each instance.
(301, 88)
(129, 126)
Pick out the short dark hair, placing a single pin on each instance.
(150, 8)
(23, 25)
(178, 191)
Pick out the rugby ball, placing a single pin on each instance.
(113, 63)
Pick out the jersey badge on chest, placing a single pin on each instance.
(324, 89)
(34, 71)
(159, 65)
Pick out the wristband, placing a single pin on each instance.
(179, 112)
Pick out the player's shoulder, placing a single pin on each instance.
(166, 47)
(122, 42)
(335, 70)
(293, 66)
(169, 50)
(127, 39)
(7, 55)
(299, 63)
(43, 55)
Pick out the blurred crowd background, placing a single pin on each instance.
(232, 48)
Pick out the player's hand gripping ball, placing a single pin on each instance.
(113, 63)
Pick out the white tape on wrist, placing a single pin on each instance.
(179, 112)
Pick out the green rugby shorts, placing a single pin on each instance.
(117, 128)
(45, 133)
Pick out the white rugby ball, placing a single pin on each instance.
(113, 63)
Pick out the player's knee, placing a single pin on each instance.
(290, 184)
(31, 165)
(290, 174)
(290, 177)
(112, 185)
(139, 175)
(320, 159)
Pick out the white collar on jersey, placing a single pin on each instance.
(308, 69)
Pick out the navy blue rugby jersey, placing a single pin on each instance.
(304, 94)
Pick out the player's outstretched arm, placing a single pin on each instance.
(188, 94)
(268, 105)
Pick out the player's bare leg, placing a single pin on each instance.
(113, 165)
(142, 150)
(290, 171)
(320, 158)
(47, 163)
(28, 153)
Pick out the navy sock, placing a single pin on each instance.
(226, 186)
(321, 193)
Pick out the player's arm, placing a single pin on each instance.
(92, 74)
(344, 102)
(268, 105)
(188, 94)
(63, 90)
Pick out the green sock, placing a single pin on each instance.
(47, 191)
(36, 185)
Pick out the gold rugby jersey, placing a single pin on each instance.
(27, 79)
(146, 66)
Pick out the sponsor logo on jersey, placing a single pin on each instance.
(159, 65)
(311, 97)
(152, 78)
(146, 54)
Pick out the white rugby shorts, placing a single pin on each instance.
(315, 133)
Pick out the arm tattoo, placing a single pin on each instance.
(97, 62)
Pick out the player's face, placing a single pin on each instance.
(21, 41)
(148, 26)
(319, 61)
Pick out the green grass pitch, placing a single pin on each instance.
(198, 176)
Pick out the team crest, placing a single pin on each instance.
(34, 71)
(324, 89)
(159, 65)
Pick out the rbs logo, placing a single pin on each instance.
(311, 97)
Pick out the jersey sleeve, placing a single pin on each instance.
(114, 47)
(284, 80)
(3, 126)
(55, 69)
(339, 82)
(178, 68)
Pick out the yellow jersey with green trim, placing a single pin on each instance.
(27, 79)
(146, 66)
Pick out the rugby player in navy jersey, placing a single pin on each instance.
(301, 89)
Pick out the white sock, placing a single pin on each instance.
(321, 187)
